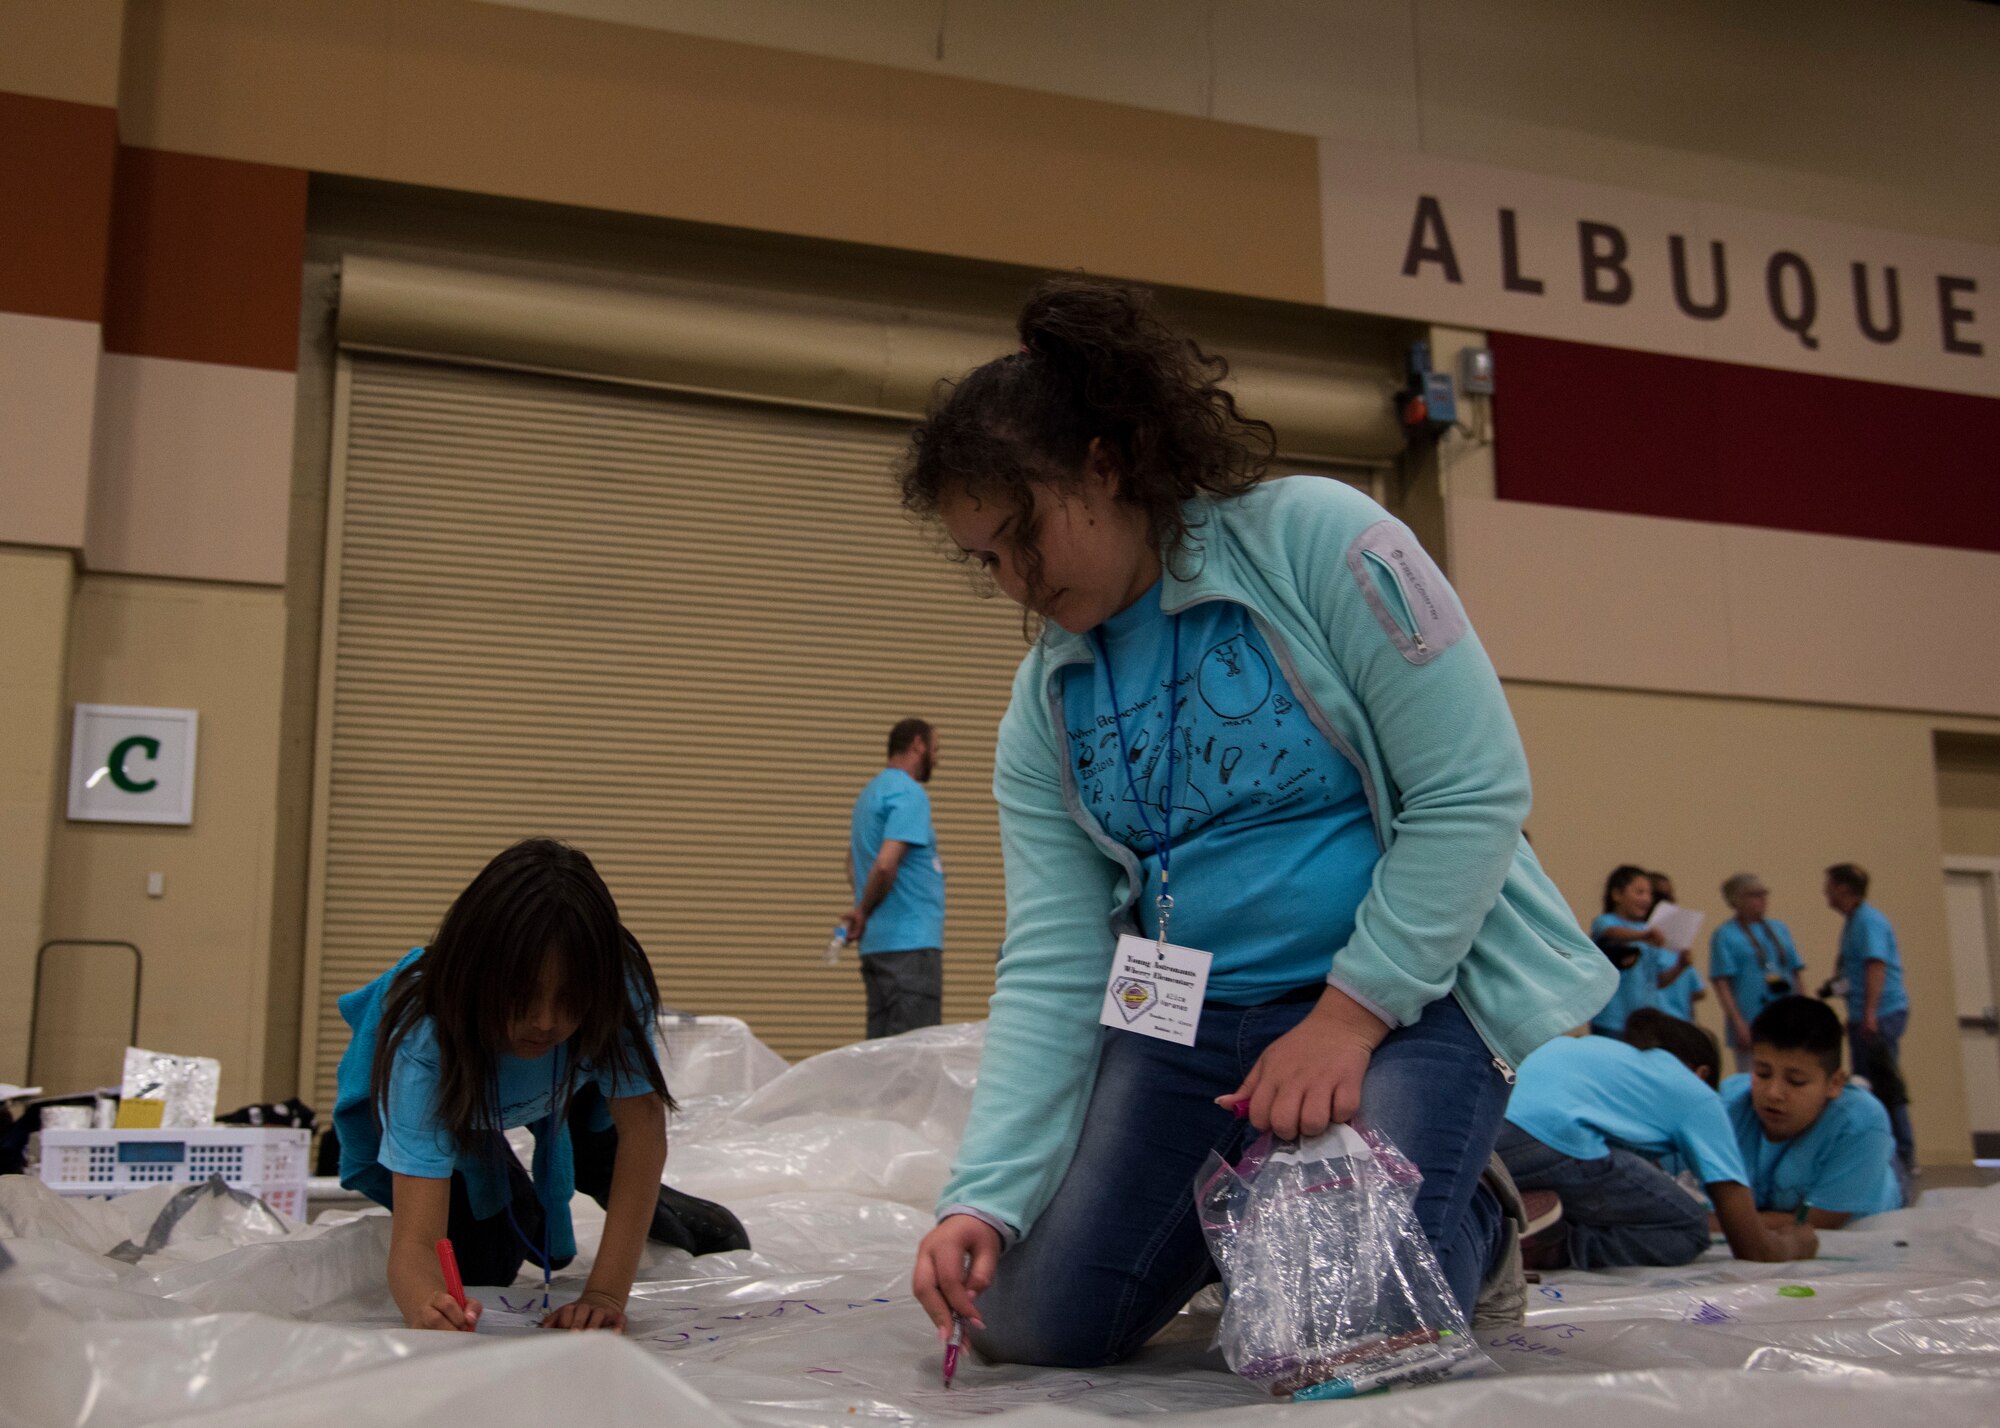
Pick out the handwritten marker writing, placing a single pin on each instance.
(952, 1346)
(448, 1262)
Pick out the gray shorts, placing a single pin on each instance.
(905, 990)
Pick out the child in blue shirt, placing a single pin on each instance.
(1817, 1148)
(1681, 986)
(1646, 966)
(1591, 1117)
(533, 1006)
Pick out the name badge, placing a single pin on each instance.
(1156, 989)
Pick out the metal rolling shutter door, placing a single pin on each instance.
(673, 631)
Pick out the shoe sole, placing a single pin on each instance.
(1541, 1222)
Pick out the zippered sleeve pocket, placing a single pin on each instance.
(1406, 592)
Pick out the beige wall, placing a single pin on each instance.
(190, 470)
(216, 649)
(1796, 105)
(34, 763)
(487, 99)
(1701, 788)
(1590, 597)
(61, 49)
(48, 386)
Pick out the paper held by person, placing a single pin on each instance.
(1678, 926)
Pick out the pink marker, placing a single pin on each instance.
(1242, 1109)
(952, 1346)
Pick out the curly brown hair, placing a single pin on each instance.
(1096, 363)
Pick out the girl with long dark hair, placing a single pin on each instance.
(533, 1006)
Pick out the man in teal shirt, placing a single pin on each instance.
(1878, 1009)
(897, 921)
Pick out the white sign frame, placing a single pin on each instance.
(86, 805)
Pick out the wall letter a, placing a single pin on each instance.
(1430, 242)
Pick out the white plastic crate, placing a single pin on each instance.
(269, 1161)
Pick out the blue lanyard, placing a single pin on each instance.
(543, 1253)
(1163, 840)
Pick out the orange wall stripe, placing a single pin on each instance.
(206, 259)
(56, 161)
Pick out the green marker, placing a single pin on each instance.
(1796, 1291)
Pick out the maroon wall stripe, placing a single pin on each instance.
(206, 260)
(1614, 430)
(56, 162)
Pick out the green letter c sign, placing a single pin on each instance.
(121, 751)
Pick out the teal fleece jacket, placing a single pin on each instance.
(1376, 646)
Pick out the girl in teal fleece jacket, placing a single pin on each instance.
(1256, 709)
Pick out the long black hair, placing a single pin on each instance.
(537, 903)
(1096, 363)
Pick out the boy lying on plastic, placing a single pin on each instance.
(1591, 1117)
(1817, 1148)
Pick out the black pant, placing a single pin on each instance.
(905, 990)
(490, 1251)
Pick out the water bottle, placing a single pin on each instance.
(832, 954)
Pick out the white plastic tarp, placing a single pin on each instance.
(833, 1166)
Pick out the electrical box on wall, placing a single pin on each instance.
(1429, 404)
(1475, 371)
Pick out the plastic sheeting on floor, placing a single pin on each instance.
(833, 1165)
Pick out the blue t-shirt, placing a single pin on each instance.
(1841, 1162)
(1677, 997)
(408, 1140)
(911, 917)
(1271, 839)
(1745, 956)
(1583, 1095)
(1638, 984)
(1868, 937)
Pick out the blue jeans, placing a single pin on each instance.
(1620, 1209)
(1119, 1249)
(1891, 1029)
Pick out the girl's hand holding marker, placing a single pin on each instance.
(533, 1007)
(451, 1309)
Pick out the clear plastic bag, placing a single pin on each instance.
(187, 1084)
(1332, 1287)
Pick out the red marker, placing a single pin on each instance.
(448, 1262)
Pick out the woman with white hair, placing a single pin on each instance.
(1752, 960)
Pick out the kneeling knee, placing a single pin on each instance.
(1047, 1344)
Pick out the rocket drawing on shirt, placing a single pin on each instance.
(1239, 743)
